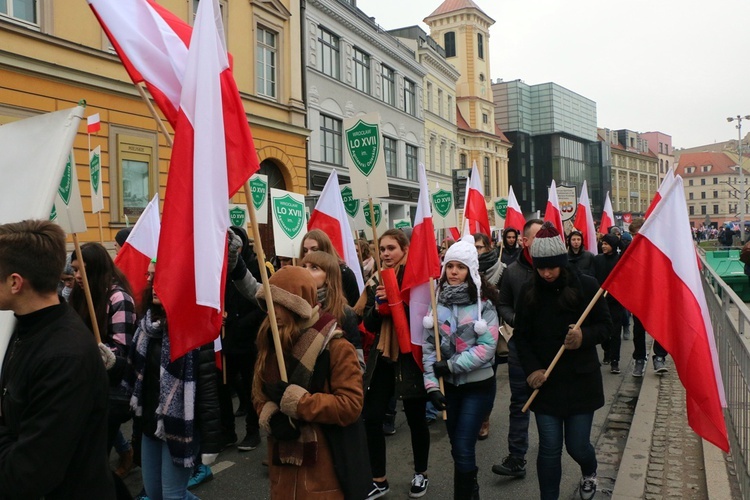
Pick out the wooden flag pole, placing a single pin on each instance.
(436, 329)
(562, 348)
(375, 237)
(101, 231)
(159, 121)
(87, 290)
(266, 286)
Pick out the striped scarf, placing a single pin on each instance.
(175, 414)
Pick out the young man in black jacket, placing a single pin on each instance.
(53, 384)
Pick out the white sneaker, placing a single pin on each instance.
(418, 486)
(587, 487)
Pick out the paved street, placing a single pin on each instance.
(241, 475)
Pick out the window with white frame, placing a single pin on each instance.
(391, 156)
(486, 168)
(21, 10)
(361, 71)
(388, 76)
(328, 47)
(330, 140)
(266, 62)
(411, 162)
(410, 102)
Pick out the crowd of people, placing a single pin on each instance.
(327, 411)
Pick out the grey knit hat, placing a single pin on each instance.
(548, 249)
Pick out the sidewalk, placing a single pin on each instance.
(663, 457)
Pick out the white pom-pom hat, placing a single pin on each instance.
(465, 252)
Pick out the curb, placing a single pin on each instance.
(717, 476)
(631, 476)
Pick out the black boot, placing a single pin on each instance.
(465, 485)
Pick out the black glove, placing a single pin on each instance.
(282, 428)
(275, 390)
(440, 368)
(438, 400)
(239, 270)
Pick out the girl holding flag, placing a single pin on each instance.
(468, 323)
(391, 372)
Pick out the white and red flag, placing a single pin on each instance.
(608, 217)
(152, 44)
(140, 247)
(93, 124)
(330, 217)
(672, 306)
(663, 187)
(212, 157)
(422, 265)
(552, 212)
(475, 207)
(584, 221)
(514, 216)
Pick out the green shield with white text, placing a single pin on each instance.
(442, 201)
(363, 143)
(290, 214)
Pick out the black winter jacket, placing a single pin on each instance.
(53, 428)
(583, 261)
(514, 277)
(575, 384)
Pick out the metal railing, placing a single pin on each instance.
(730, 318)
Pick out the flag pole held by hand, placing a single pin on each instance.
(438, 354)
(562, 348)
(266, 285)
(87, 290)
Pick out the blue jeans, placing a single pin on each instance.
(163, 479)
(466, 409)
(518, 428)
(577, 443)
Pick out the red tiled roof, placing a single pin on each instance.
(462, 124)
(453, 5)
(500, 134)
(721, 164)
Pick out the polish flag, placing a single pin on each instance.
(330, 217)
(212, 157)
(552, 212)
(93, 124)
(514, 216)
(679, 320)
(665, 184)
(152, 44)
(475, 208)
(141, 246)
(422, 265)
(584, 221)
(608, 217)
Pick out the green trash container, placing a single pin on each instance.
(727, 265)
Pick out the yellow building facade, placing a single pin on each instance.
(53, 53)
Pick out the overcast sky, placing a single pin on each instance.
(676, 66)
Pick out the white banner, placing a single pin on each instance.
(238, 215)
(289, 222)
(68, 210)
(381, 218)
(364, 156)
(443, 208)
(95, 176)
(259, 188)
(353, 207)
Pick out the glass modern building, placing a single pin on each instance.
(554, 136)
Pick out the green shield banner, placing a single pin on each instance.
(402, 224)
(259, 189)
(363, 142)
(66, 183)
(442, 201)
(237, 217)
(378, 213)
(53, 214)
(351, 204)
(501, 207)
(95, 166)
(290, 214)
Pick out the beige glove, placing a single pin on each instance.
(108, 357)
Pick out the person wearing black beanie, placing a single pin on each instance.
(603, 265)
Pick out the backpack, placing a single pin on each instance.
(745, 253)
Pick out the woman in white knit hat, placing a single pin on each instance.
(468, 324)
(549, 306)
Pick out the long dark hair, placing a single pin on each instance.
(147, 303)
(571, 296)
(102, 274)
(489, 292)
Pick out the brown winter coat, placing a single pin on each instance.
(340, 403)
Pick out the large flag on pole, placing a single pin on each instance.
(422, 265)
(668, 179)
(514, 216)
(141, 246)
(678, 320)
(152, 44)
(330, 217)
(584, 221)
(608, 217)
(212, 157)
(475, 208)
(552, 212)
(34, 154)
(68, 209)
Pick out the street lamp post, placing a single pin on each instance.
(743, 192)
